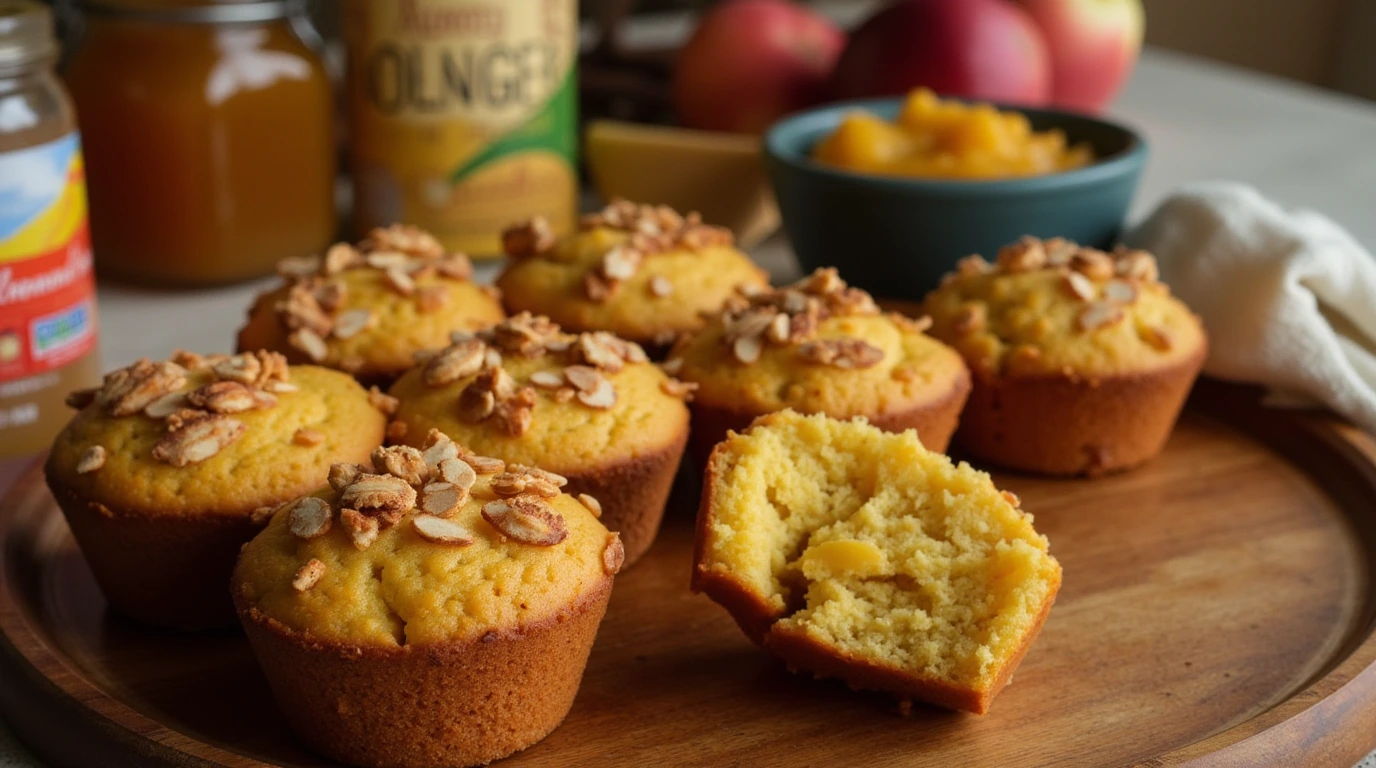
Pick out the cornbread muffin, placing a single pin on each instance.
(642, 272)
(366, 310)
(170, 466)
(856, 553)
(818, 346)
(1082, 359)
(424, 612)
(590, 407)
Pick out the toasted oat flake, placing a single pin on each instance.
(661, 286)
(308, 575)
(442, 499)
(309, 518)
(594, 506)
(353, 322)
(613, 554)
(1081, 286)
(308, 437)
(526, 519)
(309, 342)
(362, 529)
(1099, 314)
(438, 530)
(197, 439)
(91, 460)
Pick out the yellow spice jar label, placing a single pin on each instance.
(463, 115)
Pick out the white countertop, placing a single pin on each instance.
(1299, 145)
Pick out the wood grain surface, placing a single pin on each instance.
(1217, 611)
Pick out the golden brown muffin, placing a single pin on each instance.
(642, 272)
(590, 407)
(170, 466)
(1081, 359)
(422, 614)
(856, 553)
(818, 347)
(368, 310)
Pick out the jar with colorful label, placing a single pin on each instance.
(463, 115)
(47, 291)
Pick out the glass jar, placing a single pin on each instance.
(209, 138)
(47, 295)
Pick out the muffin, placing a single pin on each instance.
(1082, 359)
(418, 613)
(170, 466)
(855, 553)
(818, 347)
(642, 272)
(589, 407)
(368, 310)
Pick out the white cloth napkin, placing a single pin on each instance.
(1288, 297)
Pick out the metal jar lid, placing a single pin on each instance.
(26, 33)
(193, 11)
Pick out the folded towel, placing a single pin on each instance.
(1288, 297)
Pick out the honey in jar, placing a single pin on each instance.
(47, 295)
(462, 115)
(209, 138)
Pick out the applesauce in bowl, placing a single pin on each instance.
(935, 138)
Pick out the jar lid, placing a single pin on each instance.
(26, 33)
(193, 11)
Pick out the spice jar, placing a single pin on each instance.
(47, 296)
(209, 138)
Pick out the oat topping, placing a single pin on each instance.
(527, 519)
(376, 494)
(309, 517)
(229, 397)
(129, 390)
(438, 530)
(91, 460)
(841, 353)
(1100, 314)
(442, 499)
(308, 575)
(529, 238)
(362, 529)
(309, 343)
(342, 475)
(594, 506)
(166, 405)
(613, 554)
(197, 439)
(403, 462)
(353, 322)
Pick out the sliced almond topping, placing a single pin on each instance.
(613, 554)
(457, 472)
(401, 461)
(438, 447)
(129, 390)
(1158, 337)
(484, 465)
(603, 396)
(387, 259)
(476, 404)
(683, 390)
(442, 499)
(1120, 291)
(780, 329)
(492, 359)
(363, 530)
(262, 515)
(594, 506)
(455, 266)
(197, 439)
(597, 288)
(343, 475)
(406, 238)
(241, 368)
(564, 394)
(309, 517)
(747, 349)
(672, 366)
(530, 238)
(583, 378)
(383, 402)
(166, 405)
(330, 295)
(310, 343)
(229, 397)
(547, 380)
(841, 353)
(438, 530)
(1096, 265)
(339, 257)
(352, 323)
(1081, 286)
(378, 492)
(620, 263)
(526, 519)
(1099, 314)
(553, 478)
(399, 280)
(460, 360)
(91, 460)
(1137, 265)
(81, 398)
(509, 484)
(431, 298)
(280, 387)
(661, 286)
(308, 436)
(308, 575)
(602, 350)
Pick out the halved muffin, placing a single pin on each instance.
(642, 272)
(818, 346)
(856, 553)
(421, 613)
(366, 310)
(1082, 359)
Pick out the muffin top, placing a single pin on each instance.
(526, 392)
(425, 547)
(816, 346)
(212, 435)
(367, 309)
(1055, 308)
(642, 272)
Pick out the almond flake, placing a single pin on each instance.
(352, 323)
(583, 378)
(602, 350)
(841, 353)
(431, 298)
(309, 518)
(1120, 291)
(661, 286)
(554, 478)
(457, 472)
(613, 554)
(683, 390)
(308, 575)
(442, 499)
(383, 402)
(91, 460)
(241, 368)
(780, 329)
(564, 394)
(262, 515)
(406, 238)
(438, 530)
(594, 506)
(308, 436)
(527, 520)
(547, 380)
(620, 263)
(457, 361)
(403, 462)
(229, 397)
(1081, 286)
(672, 366)
(1096, 265)
(330, 295)
(597, 288)
(603, 396)
(280, 387)
(385, 260)
(1098, 315)
(197, 439)
(476, 404)
(530, 238)
(1026, 255)
(747, 349)
(399, 280)
(339, 257)
(362, 529)
(438, 447)
(81, 398)
(129, 390)
(1159, 338)
(484, 465)
(310, 343)
(166, 405)
(343, 475)
(378, 492)
(455, 266)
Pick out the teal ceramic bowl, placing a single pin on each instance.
(896, 237)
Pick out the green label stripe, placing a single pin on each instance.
(553, 129)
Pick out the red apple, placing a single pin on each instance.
(751, 62)
(1093, 45)
(978, 49)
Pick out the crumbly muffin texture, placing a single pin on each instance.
(1053, 307)
(528, 392)
(815, 346)
(426, 547)
(211, 435)
(366, 309)
(865, 544)
(642, 272)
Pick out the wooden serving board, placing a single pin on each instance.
(1217, 611)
